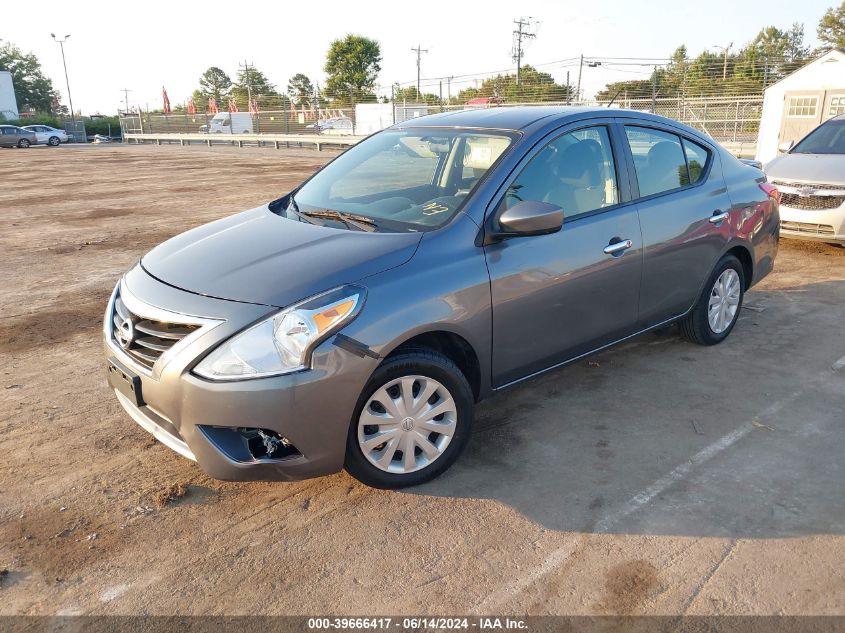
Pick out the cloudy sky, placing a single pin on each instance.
(146, 45)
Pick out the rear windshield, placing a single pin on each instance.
(404, 179)
(828, 138)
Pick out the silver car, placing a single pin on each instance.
(811, 180)
(14, 136)
(355, 321)
(48, 135)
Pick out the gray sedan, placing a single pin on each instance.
(14, 136)
(357, 320)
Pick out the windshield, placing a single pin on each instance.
(404, 180)
(828, 138)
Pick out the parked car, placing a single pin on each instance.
(336, 126)
(811, 179)
(14, 136)
(355, 321)
(48, 135)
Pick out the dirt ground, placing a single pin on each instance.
(657, 478)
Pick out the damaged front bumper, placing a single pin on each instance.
(274, 428)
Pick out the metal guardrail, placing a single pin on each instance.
(261, 140)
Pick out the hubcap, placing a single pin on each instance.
(407, 424)
(724, 301)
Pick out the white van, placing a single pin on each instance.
(231, 123)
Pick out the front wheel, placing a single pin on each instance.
(23, 143)
(412, 421)
(717, 310)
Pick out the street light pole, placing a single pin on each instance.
(67, 81)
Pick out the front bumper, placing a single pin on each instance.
(824, 225)
(312, 408)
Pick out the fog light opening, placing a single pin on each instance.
(267, 444)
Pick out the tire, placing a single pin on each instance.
(53, 141)
(697, 326)
(24, 143)
(421, 369)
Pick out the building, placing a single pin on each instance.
(8, 103)
(799, 102)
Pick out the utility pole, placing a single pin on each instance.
(521, 33)
(580, 68)
(246, 69)
(67, 81)
(654, 90)
(449, 89)
(725, 67)
(419, 50)
(568, 90)
(126, 92)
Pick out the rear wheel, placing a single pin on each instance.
(714, 316)
(23, 143)
(412, 421)
(53, 141)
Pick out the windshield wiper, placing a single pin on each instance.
(360, 222)
(303, 217)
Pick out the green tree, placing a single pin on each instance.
(300, 89)
(213, 83)
(252, 81)
(33, 90)
(352, 65)
(831, 29)
(533, 86)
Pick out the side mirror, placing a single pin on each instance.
(786, 146)
(530, 217)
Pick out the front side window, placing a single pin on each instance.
(828, 138)
(8, 131)
(575, 172)
(413, 179)
(659, 160)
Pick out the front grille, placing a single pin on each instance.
(807, 227)
(145, 340)
(811, 203)
(812, 185)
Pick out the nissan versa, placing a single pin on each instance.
(355, 321)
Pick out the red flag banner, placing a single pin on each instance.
(165, 101)
(253, 106)
(192, 108)
(212, 105)
(233, 107)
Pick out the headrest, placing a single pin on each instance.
(482, 151)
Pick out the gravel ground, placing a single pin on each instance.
(656, 478)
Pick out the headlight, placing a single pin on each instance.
(282, 343)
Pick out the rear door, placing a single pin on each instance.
(684, 213)
(558, 296)
(8, 137)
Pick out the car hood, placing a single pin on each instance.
(260, 257)
(810, 168)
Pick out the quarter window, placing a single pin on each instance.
(837, 106)
(696, 159)
(802, 106)
(575, 172)
(659, 160)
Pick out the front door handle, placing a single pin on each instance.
(719, 217)
(618, 247)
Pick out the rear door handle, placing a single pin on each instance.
(618, 247)
(719, 217)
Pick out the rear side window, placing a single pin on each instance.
(663, 161)
(697, 157)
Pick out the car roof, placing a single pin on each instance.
(532, 118)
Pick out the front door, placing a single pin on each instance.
(558, 296)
